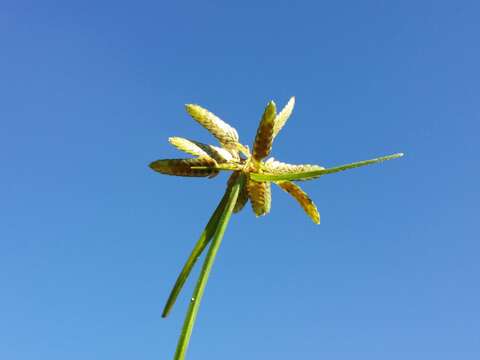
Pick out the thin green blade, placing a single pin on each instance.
(316, 173)
(195, 254)
(206, 269)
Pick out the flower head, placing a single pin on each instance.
(251, 178)
(232, 156)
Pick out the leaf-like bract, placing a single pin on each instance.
(311, 174)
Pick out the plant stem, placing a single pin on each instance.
(201, 244)
(206, 269)
(307, 175)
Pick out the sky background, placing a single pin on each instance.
(91, 240)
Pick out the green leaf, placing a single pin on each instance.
(206, 269)
(316, 173)
(195, 254)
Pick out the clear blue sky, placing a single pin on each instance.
(91, 239)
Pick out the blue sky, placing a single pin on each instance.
(91, 239)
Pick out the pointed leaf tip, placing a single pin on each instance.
(311, 174)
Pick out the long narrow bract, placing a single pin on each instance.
(308, 175)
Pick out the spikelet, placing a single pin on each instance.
(242, 195)
(283, 116)
(259, 193)
(186, 167)
(220, 154)
(226, 135)
(305, 202)
(188, 146)
(264, 138)
(197, 148)
(276, 167)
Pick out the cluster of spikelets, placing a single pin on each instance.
(208, 160)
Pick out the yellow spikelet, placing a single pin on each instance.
(186, 167)
(226, 135)
(221, 155)
(188, 146)
(283, 116)
(305, 202)
(260, 196)
(197, 148)
(276, 167)
(264, 138)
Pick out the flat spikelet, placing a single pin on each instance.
(283, 116)
(264, 138)
(196, 148)
(186, 167)
(226, 135)
(188, 146)
(305, 202)
(242, 195)
(277, 167)
(260, 196)
(219, 154)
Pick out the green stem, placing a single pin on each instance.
(194, 255)
(206, 269)
(316, 173)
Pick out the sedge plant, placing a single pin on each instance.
(250, 180)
